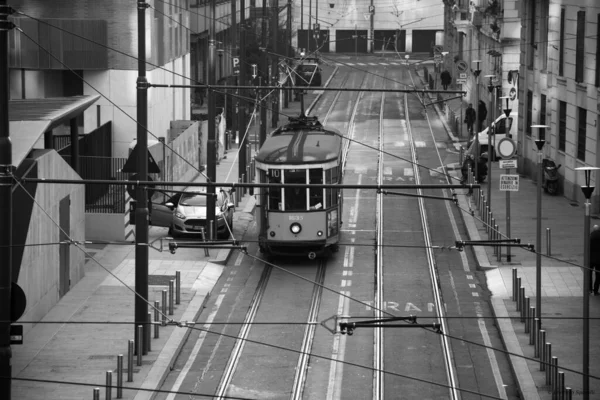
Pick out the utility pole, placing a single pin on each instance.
(275, 62)
(6, 169)
(141, 211)
(263, 76)
(234, 52)
(243, 140)
(211, 151)
(287, 94)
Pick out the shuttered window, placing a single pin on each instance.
(529, 121)
(598, 52)
(580, 46)
(562, 125)
(561, 44)
(581, 125)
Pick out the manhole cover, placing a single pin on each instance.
(160, 280)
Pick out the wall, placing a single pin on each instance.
(39, 272)
(105, 226)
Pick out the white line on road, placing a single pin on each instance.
(336, 370)
(196, 349)
(491, 354)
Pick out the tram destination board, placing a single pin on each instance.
(509, 183)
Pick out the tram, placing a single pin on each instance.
(300, 221)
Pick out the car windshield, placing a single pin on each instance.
(306, 68)
(192, 199)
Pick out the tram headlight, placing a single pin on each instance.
(320, 233)
(272, 233)
(295, 228)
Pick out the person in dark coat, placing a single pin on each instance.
(446, 79)
(595, 258)
(482, 113)
(470, 118)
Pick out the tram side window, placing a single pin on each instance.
(295, 198)
(331, 176)
(274, 193)
(315, 177)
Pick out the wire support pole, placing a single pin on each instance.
(5, 210)
(242, 139)
(211, 152)
(141, 211)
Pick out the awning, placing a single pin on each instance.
(31, 118)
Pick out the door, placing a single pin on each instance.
(161, 214)
(423, 39)
(307, 40)
(64, 233)
(351, 41)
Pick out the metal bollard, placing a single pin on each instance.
(148, 332)
(554, 381)
(499, 247)
(518, 294)
(177, 287)
(541, 350)
(492, 234)
(514, 284)
(523, 304)
(548, 242)
(568, 393)
(140, 344)
(526, 311)
(108, 395)
(487, 219)
(96, 393)
(164, 305)
(120, 376)
(130, 361)
(560, 387)
(156, 318)
(203, 233)
(533, 329)
(547, 360)
(243, 189)
(171, 290)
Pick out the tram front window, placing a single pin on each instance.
(295, 198)
(274, 193)
(315, 177)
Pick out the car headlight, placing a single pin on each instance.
(179, 215)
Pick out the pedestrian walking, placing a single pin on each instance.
(470, 118)
(446, 79)
(595, 259)
(482, 114)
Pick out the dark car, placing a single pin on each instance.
(185, 213)
(308, 74)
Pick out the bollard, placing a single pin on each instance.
(203, 232)
(148, 331)
(568, 393)
(156, 318)
(554, 377)
(532, 328)
(527, 314)
(548, 359)
(243, 189)
(514, 284)
(164, 306)
(498, 237)
(540, 346)
(171, 289)
(96, 393)
(120, 376)
(140, 344)
(108, 395)
(524, 307)
(548, 242)
(518, 294)
(130, 361)
(488, 219)
(560, 392)
(178, 287)
(492, 235)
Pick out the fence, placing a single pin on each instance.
(96, 143)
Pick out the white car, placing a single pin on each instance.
(505, 127)
(185, 213)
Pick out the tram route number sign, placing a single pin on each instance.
(509, 183)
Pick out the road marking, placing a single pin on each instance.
(354, 210)
(472, 285)
(336, 368)
(408, 171)
(196, 349)
(469, 276)
(239, 259)
(347, 273)
(490, 352)
(455, 292)
(475, 294)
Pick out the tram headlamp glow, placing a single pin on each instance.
(272, 233)
(320, 233)
(295, 228)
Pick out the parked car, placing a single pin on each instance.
(308, 73)
(185, 213)
(505, 127)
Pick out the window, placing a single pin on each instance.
(531, 39)
(331, 176)
(581, 125)
(562, 125)
(561, 44)
(529, 113)
(315, 177)
(543, 38)
(598, 52)
(274, 193)
(580, 46)
(543, 115)
(295, 198)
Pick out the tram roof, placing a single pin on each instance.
(301, 146)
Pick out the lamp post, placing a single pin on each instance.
(507, 112)
(491, 132)
(476, 72)
(220, 53)
(539, 142)
(587, 192)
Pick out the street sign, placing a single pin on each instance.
(461, 81)
(462, 66)
(131, 163)
(367, 16)
(18, 301)
(509, 183)
(16, 334)
(132, 189)
(236, 65)
(462, 75)
(508, 163)
(438, 49)
(506, 147)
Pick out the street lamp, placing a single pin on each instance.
(491, 131)
(507, 112)
(220, 51)
(476, 72)
(539, 142)
(587, 192)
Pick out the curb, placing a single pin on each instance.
(166, 358)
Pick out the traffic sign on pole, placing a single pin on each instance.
(509, 183)
(462, 66)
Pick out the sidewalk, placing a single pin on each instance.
(561, 279)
